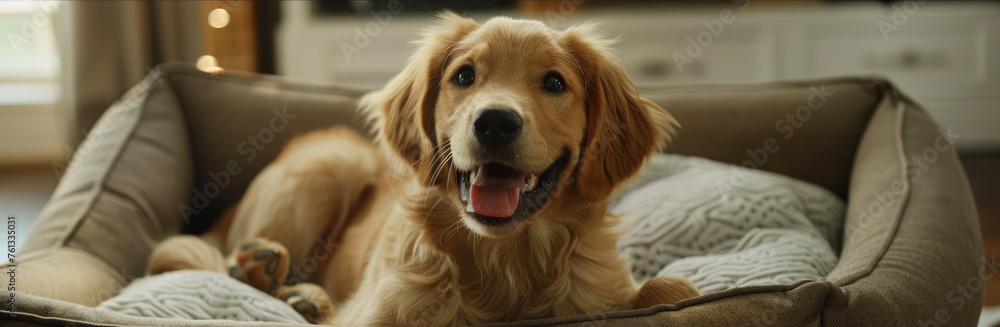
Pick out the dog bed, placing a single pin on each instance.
(682, 215)
(909, 249)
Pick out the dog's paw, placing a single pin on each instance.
(309, 300)
(260, 263)
(665, 290)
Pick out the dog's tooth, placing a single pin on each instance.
(463, 191)
(531, 183)
(472, 175)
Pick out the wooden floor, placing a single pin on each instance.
(984, 177)
(23, 193)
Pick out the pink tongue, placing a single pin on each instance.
(496, 191)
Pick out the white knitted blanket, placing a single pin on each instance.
(199, 295)
(723, 226)
(683, 215)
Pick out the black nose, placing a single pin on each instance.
(496, 127)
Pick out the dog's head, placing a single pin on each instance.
(513, 121)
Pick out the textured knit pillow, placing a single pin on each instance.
(723, 226)
(200, 295)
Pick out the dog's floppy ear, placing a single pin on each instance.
(402, 113)
(623, 129)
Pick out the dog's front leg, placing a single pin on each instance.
(665, 290)
(263, 264)
(304, 198)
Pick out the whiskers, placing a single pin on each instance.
(440, 162)
(452, 228)
(440, 159)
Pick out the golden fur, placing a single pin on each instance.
(408, 253)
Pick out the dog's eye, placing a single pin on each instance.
(465, 77)
(553, 83)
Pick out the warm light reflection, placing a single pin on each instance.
(218, 18)
(208, 64)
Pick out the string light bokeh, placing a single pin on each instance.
(217, 18)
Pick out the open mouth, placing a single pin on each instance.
(495, 194)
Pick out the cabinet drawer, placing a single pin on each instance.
(685, 51)
(936, 55)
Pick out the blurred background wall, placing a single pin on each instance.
(65, 62)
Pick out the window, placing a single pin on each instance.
(31, 125)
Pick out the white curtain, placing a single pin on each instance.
(107, 46)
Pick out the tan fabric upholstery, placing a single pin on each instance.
(911, 251)
(724, 123)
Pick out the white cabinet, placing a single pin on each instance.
(943, 54)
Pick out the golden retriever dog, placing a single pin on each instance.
(484, 200)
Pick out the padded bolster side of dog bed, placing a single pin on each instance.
(912, 250)
(169, 156)
(115, 200)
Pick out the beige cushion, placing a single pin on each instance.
(911, 235)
